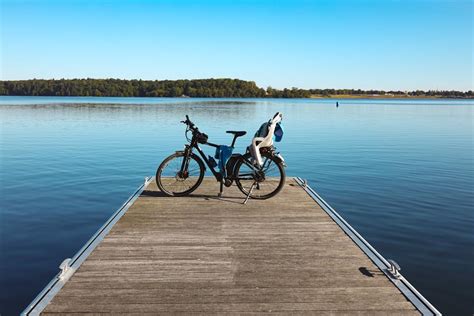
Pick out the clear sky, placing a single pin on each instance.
(380, 44)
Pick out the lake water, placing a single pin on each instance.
(400, 171)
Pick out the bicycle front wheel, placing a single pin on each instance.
(260, 183)
(173, 181)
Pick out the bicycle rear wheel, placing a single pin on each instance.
(172, 182)
(262, 183)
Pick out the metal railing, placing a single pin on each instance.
(389, 267)
(69, 266)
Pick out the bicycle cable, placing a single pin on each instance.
(186, 134)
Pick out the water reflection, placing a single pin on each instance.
(401, 172)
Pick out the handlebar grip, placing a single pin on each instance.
(189, 123)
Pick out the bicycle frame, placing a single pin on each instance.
(188, 151)
(194, 144)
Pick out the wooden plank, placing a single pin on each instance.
(202, 254)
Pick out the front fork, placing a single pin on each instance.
(183, 171)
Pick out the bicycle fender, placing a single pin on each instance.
(280, 159)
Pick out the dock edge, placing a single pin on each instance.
(40, 302)
(408, 290)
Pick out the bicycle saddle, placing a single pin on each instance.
(237, 133)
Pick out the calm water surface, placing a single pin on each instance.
(400, 171)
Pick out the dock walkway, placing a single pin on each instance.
(207, 255)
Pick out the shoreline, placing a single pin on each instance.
(312, 97)
(207, 88)
(381, 97)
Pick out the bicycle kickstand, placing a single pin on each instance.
(250, 192)
(221, 189)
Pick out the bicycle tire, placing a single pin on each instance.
(160, 178)
(278, 188)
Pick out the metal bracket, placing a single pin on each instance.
(394, 268)
(69, 266)
(66, 269)
(305, 183)
(391, 270)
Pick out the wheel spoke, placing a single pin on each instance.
(269, 177)
(173, 182)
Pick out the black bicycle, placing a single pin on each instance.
(182, 172)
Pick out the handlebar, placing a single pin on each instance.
(197, 135)
(190, 124)
(276, 114)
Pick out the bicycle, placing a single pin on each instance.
(260, 177)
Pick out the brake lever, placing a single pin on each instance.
(188, 122)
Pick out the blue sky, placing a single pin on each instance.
(401, 44)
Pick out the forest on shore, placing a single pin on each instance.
(213, 88)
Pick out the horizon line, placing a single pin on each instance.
(229, 78)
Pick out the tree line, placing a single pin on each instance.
(217, 88)
(133, 88)
(394, 93)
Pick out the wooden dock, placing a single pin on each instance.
(207, 255)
